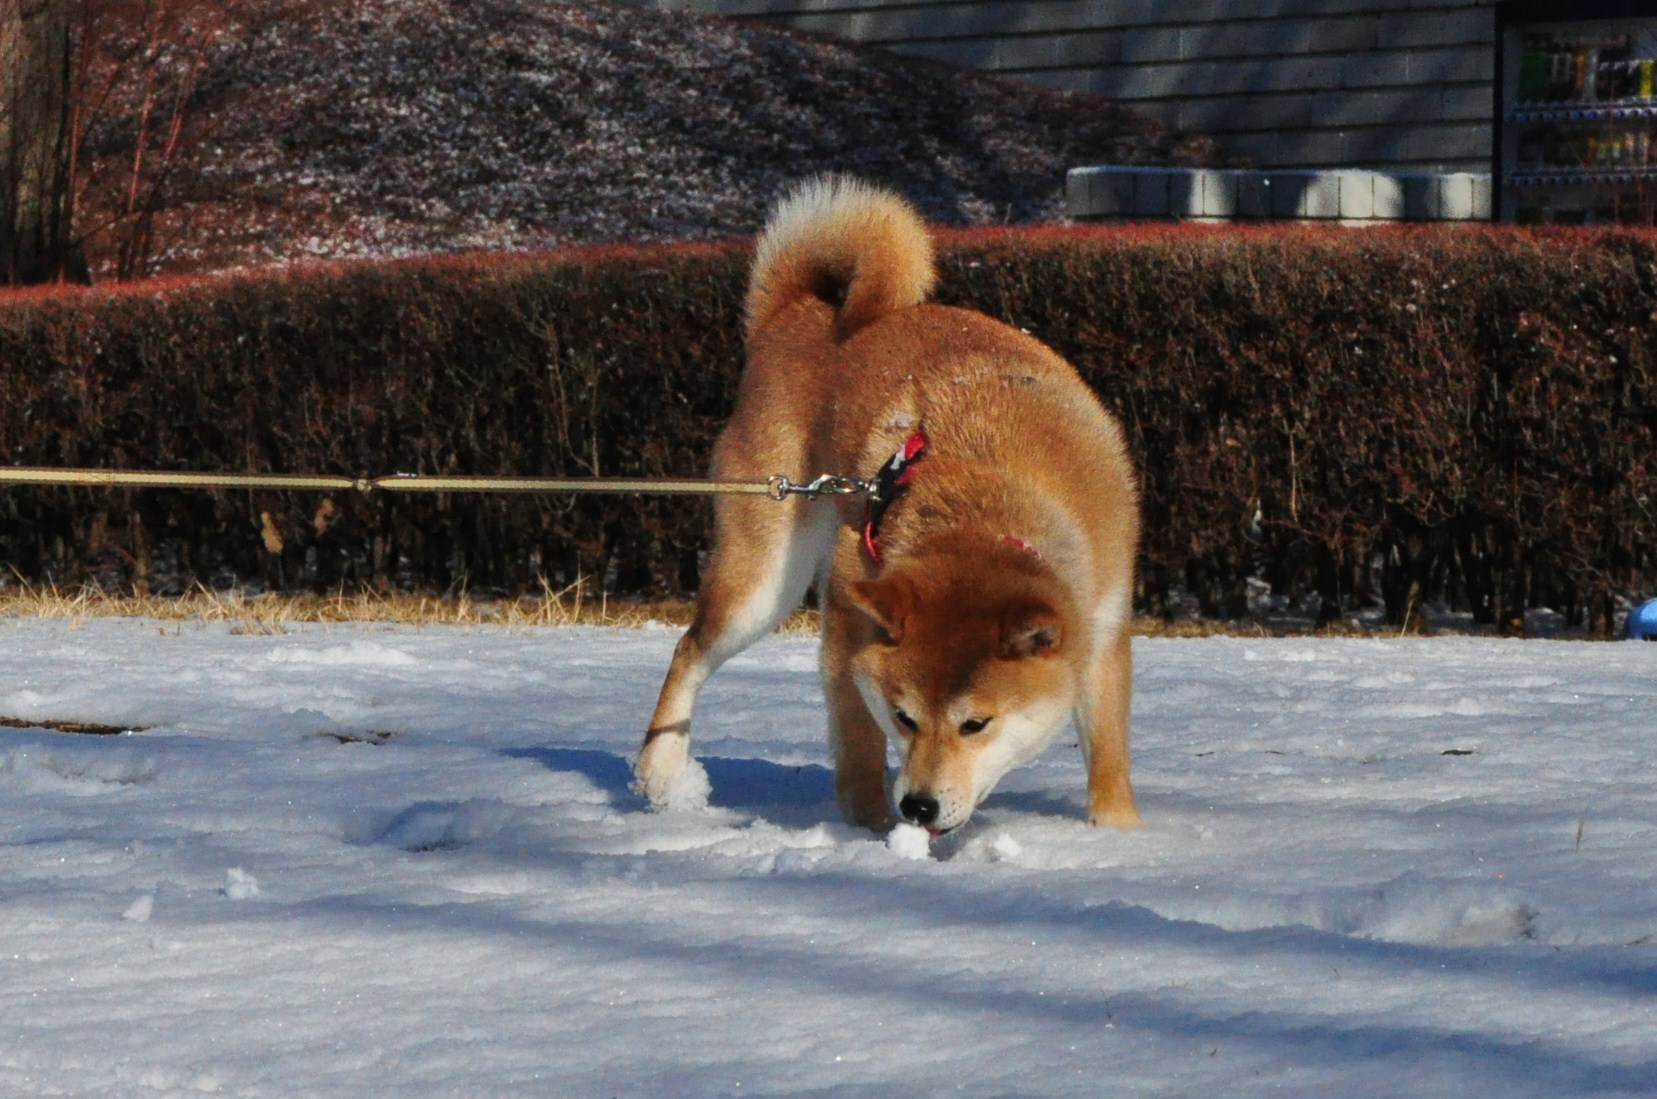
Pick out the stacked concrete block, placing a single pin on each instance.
(1306, 196)
(1130, 193)
(1387, 198)
(1254, 195)
(1219, 193)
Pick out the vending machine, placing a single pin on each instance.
(1576, 119)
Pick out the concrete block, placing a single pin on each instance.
(1311, 150)
(1379, 145)
(1099, 192)
(1185, 192)
(1357, 195)
(1450, 146)
(1290, 194)
(1150, 192)
(1484, 197)
(1367, 107)
(1053, 51)
(1375, 70)
(1124, 192)
(1410, 30)
(1453, 65)
(1476, 103)
(1420, 196)
(1305, 194)
(1256, 76)
(1214, 36)
(1183, 12)
(1200, 193)
(1387, 202)
(1333, 35)
(1455, 197)
(977, 53)
(1039, 17)
(1078, 198)
(1254, 195)
(1219, 193)
(1464, 196)
(1259, 147)
(1286, 191)
(1273, 112)
(1150, 81)
(1151, 45)
(1321, 197)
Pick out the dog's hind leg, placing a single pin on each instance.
(1102, 720)
(766, 554)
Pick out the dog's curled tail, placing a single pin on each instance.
(858, 247)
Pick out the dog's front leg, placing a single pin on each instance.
(859, 759)
(722, 628)
(1102, 712)
(764, 557)
(667, 742)
(859, 744)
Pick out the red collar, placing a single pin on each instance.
(890, 482)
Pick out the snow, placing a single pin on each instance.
(909, 841)
(391, 861)
(386, 128)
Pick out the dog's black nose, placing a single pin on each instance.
(919, 810)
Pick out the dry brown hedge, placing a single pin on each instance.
(1458, 415)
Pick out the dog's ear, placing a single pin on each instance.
(887, 600)
(1030, 629)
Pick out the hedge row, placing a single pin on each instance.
(1466, 416)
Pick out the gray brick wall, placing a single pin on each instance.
(1403, 85)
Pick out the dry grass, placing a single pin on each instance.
(272, 613)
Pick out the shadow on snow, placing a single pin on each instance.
(789, 795)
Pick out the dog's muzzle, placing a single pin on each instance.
(922, 810)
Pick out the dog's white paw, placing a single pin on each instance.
(667, 777)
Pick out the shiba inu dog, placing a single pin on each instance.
(982, 601)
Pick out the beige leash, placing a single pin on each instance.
(777, 487)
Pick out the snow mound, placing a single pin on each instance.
(443, 826)
(1408, 911)
(354, 654)
(909, 841)
(1428, 913)
(996, 846)
(239, 885)
(86, 768)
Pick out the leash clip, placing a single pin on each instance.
(780, 487)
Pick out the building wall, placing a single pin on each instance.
(1404, 85)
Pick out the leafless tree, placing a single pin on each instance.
(36, 235)
(95, 102)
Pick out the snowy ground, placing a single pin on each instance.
(385, 861)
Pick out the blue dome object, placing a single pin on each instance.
(1642, 622)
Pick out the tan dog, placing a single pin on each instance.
(985, 599)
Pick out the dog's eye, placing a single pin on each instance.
(905, 720)
(976, 724)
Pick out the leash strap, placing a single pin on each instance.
(778, 487)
